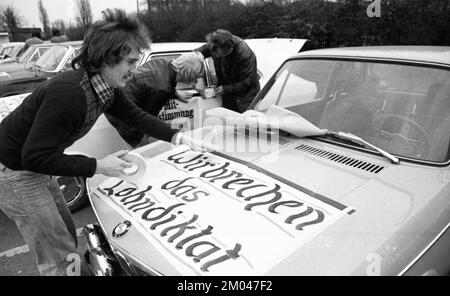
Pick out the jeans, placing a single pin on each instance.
(35, 203)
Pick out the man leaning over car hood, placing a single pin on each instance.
(58, 113)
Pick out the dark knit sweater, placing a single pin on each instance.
(34, 136)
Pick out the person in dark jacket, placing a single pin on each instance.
(59, 112)
(35, 39)
(58, 37)
(154, 84)
(236, 69)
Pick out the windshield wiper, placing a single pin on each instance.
(357, 140)
(349, 141)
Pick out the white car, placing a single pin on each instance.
(9, 51)
(351, 178)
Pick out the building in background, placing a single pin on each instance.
(21, 34)
(4, 37)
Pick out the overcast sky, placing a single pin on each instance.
(63, 9)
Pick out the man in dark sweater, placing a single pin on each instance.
(153, 85)
(58, 113)
(236, 69)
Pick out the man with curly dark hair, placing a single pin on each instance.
(58, 113)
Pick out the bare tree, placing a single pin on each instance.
(9, 17)
(43, 16)
(60, 25)
(84, 9)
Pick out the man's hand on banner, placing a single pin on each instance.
(195, 144)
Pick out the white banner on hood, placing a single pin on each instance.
(208, 215)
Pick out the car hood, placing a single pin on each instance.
(13, 67)
(271, 53)
(21, 75)
(303, 208)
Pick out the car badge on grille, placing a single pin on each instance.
(121, 229)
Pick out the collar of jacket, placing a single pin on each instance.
(102, 88)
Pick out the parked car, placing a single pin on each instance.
(103, 139)
(26, 59)
(9, 51)
(39, 63)
(366, 193)
(59, 58)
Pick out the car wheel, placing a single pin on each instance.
(74, 191)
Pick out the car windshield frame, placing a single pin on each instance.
(413, 63)
(15, 51)
(51, 51)
(7, 50)
(24, 57)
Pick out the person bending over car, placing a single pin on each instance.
(154, 84)
(236, 69)
(59, 112)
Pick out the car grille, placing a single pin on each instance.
(345, 160)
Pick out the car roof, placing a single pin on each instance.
(427, 54)
(42, 45)
(12, 44)
(70, 43)
(174, 46)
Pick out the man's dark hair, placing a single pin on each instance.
(221, 39)
(56, 32)
(36, 34)
(108, 41)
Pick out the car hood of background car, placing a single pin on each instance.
(14, 67)
(272, 52)
(315, 209)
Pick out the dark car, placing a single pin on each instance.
(36, 65)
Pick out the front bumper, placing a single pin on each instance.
(103, 260)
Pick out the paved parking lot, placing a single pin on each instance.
(15, 257)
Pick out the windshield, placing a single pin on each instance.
(15, 51)
(50, 60)
(7, 51)
(403, 109)
(27, 55)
